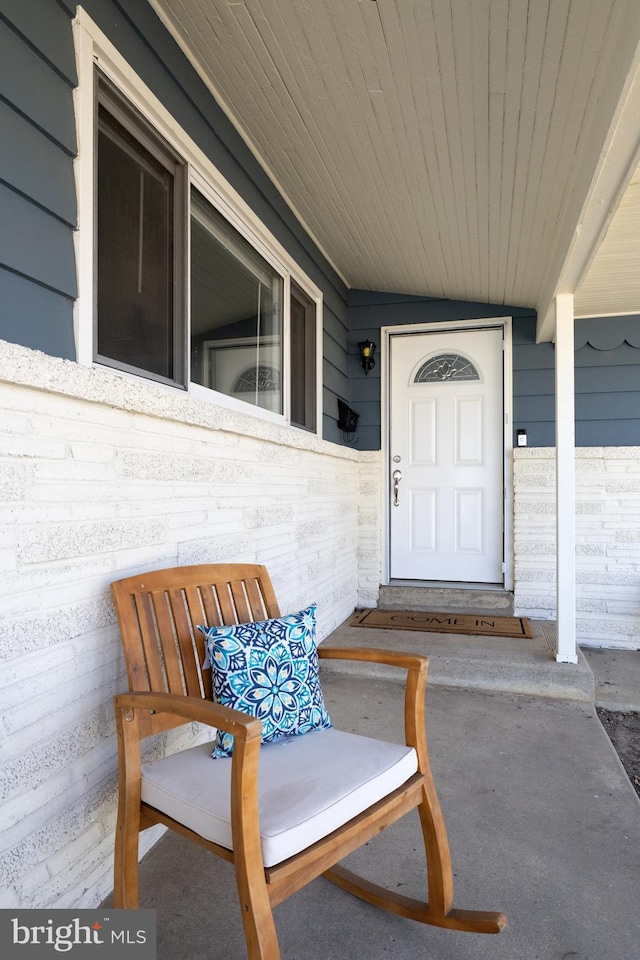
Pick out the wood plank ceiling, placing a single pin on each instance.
(436, 147)
(611, 285)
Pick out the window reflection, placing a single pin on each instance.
(236, 312)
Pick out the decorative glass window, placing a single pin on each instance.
(446, 366)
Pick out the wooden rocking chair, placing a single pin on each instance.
(276, 846)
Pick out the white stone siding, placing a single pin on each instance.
(102, 476)
(607, 541)
(370, 529)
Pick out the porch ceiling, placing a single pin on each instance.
(468, 149)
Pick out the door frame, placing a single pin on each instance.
(445, 326)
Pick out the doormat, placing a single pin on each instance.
(485, 626)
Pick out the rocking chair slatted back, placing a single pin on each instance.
(159, 617)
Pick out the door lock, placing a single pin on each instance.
(396, 476)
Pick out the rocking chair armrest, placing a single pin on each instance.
(391, 658)
(138, 709)
(416, 667)
(241, 725)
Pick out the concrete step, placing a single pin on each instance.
(522, 665)
(446, 598)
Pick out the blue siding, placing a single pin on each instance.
(608, 333)
(46, 27)
(369, 311)
(37, 192)
(608, 381)
(21, 301)
(39, 169)
(36, 90)
(533, 384)
(36, 245)
(335, 371)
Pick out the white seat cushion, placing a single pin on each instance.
(308, 786)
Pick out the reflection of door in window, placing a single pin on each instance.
(236, 309)
(261, 378)
(241, 370)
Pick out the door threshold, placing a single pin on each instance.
(446, 585)
(439, 595)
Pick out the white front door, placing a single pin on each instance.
(447, 456)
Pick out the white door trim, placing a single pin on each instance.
(385, 337)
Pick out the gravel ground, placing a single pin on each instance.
(624, 733)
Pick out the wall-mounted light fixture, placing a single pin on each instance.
(367, 350)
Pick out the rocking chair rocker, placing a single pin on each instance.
(228, 806)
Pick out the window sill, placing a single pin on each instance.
(30, 368)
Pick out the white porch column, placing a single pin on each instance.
(565, 481)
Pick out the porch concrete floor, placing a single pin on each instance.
(542, 819)
(521, 665)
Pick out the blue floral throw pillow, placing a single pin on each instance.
(268, 669)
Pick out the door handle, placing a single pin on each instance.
(396, 476)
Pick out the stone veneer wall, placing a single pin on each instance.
(607, 541)
(102, 476)
(370, 528)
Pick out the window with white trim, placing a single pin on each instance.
(182, 296)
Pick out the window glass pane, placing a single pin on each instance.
(236, 312)
(303, 359)
(135, 253)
